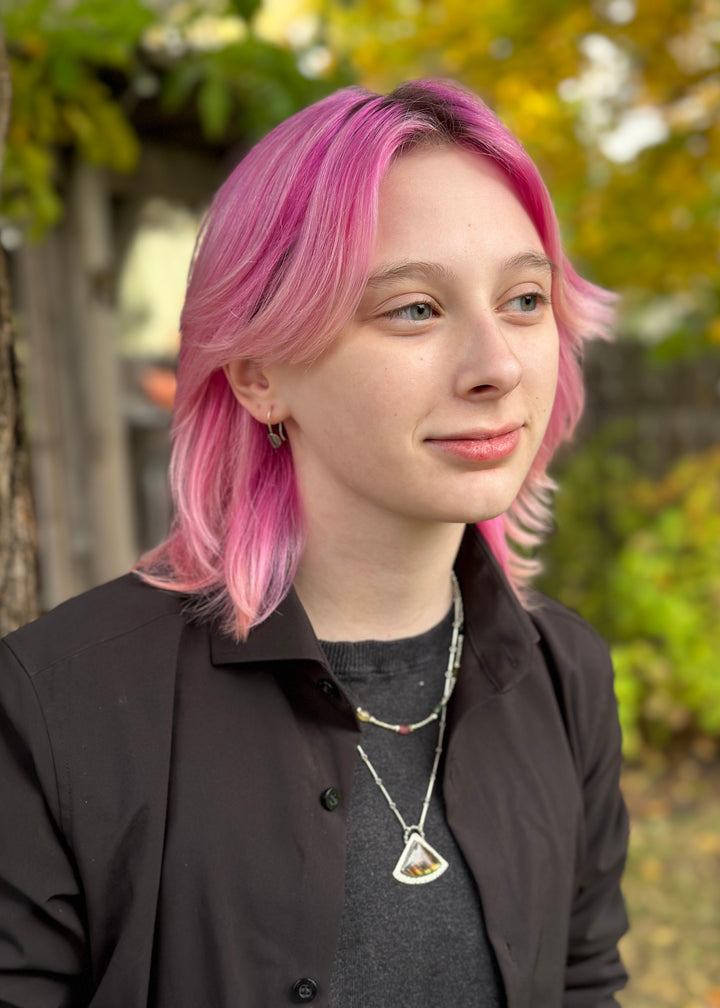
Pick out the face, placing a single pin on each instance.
(432, 402)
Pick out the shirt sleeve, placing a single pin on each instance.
(42, 936)
(594, 969)
(580, 664)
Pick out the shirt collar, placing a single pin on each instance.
(286, 635)
(497, 628)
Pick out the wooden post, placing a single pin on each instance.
(18, 553)
(55, 426)
(107, 468)
(77, 430)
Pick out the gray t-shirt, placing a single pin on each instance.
(405, 946)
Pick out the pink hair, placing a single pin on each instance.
(279, 268)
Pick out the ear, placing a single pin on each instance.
(253, 387)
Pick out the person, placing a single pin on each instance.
(326, 744)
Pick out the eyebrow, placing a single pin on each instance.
(531, 260)
(408, 271)
(424, 270)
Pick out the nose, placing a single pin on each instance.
(489, 365)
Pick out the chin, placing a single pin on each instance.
(471, 515)
(476, 510)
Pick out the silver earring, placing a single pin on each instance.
(275, 439)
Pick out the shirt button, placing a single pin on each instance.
(304, 990)
(331, 798)
(328, 687)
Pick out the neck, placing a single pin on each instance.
(373, 587)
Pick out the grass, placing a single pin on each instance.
(672, 887)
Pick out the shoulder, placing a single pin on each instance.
(88, 690)
(574, 641)
(124, 610)
(93, 680)
(579, 662)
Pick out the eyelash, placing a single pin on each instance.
(400, 313)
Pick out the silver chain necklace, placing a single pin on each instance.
(419, 862)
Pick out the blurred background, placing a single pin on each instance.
(125, 117)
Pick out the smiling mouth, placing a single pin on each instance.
(485, 446)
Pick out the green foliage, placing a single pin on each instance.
(246, 8)
(595, 515)
(92, 30)
(666, 589)
(244, 88)
(645, 567)
(63, 56)
(59, 101)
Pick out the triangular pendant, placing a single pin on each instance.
(419, 862)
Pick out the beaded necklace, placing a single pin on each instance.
(419, 862)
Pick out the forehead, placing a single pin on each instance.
(440, 196)
(425, 163)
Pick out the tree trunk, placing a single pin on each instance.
(18, 550)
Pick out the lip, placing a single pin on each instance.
(480, 445)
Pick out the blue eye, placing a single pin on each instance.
(527, 302)
(421, 311)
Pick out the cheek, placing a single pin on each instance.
(541, 385)
(549, 384)
(341, 404)
(370, 386)
(545, 367)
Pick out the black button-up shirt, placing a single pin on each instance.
(163, 843)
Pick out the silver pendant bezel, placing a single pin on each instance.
(441, 864)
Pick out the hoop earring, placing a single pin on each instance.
(275, 439)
